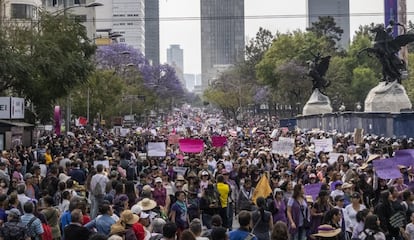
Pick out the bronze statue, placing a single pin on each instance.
(386, 49)
(317, 70)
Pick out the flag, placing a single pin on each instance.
(81, 121)
(262, 188)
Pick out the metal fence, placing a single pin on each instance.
(382, 124)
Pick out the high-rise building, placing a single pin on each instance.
(222, 35)
(152, 31)
(175, 59)
(189, 80)
(338, 9)
(128, 20)
(83, 10)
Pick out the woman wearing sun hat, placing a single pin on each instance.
(124, 227)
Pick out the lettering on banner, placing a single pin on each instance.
(284, 146)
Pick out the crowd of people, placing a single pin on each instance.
(100, 185)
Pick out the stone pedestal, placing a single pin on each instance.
(318, 103)
(390, 97)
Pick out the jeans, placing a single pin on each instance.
(230, 213)
(206, 218)
(300, 234)
(96, 202)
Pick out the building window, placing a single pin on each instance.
(80, 18)
(22, 11)
(79, 2)
(122, 40)
(122, 24)
(130, 24)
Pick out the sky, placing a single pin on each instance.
(180, 24)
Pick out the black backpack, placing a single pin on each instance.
(369, 236)
(14, 231)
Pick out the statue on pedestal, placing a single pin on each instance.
(389, 95)
(318, 102)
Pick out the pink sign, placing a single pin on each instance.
(190, 145)
(57, 120)
(219, 141)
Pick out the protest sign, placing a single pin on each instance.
(190, 145)
(358, 135)
(333, 157)
(386, 168)
(105, 163)
(284, 146)
(180, 170)
(173, 139)
(219, 141)
(313, 190)
(405, 157)
(323, 145)
(156, 149)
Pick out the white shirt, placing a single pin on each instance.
(350, 216)
(101, 179)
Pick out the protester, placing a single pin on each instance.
(280, 231)
(244, 231)
(75, 230)
(372, 228)
(262, 219)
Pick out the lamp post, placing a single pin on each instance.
(68, 99)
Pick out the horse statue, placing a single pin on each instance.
(317, 70)
(386, 49)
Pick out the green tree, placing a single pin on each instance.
(51, 57)
(364, 79)
(326, 27)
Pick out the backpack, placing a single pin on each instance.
(14, 231)
(97, 191)
(47, 232)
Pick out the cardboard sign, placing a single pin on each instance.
(284, 146)
(358, 135)
(323, 145)
(156, 149)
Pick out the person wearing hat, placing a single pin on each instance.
(13, 228)
(351, 211)
(205, 177)
(326, 231)
(159, 194)
(347, 189)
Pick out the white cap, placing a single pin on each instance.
(136, 209)
(144, 215)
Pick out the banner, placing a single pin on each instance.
(386, 168)
(313, 190)
(156, 149)
(57, 119)
(262, 189)
(190, 145)
(219, 141)
(173, 139)
(323, 145)
(4, 107)
(284, 146)
(16, 108)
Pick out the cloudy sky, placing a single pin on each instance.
(180, 24)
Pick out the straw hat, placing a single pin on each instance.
(147, 204)
(327, 231)
(117, 228)
(128, 217)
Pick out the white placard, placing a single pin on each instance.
(156, 149)
(17, 108)
(105, 163)
(180, 170)
(323, 145)
(43, 170)
(284, 146)
(333, 157)
(123, 132)
(4, 107)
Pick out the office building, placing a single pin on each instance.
(222, 35)
(19, 10)
(128, 20)
(338, 9)
(152, 31)
(175, 59)
(189, 80)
